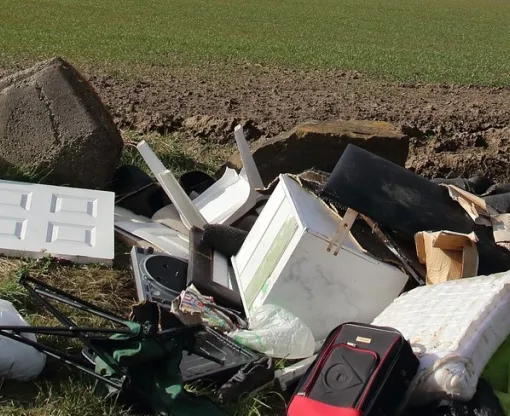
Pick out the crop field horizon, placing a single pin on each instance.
(452, 41)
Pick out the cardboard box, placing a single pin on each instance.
(447, 255)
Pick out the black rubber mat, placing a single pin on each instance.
(500, 202)
(405, 202)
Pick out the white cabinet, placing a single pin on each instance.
(284, 261)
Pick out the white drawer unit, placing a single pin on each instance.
(284, 261)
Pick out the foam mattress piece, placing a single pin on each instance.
(454, 328)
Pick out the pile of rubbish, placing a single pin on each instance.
(367, 291)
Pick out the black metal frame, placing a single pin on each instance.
(40, 291)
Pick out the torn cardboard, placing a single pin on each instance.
(501, 229)
(447, 255)
(483, 214)
(475, 206)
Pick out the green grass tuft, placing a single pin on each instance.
(69, 396)
(172, 155)
(176, 154)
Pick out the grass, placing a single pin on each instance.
(60, 391)
(463, 41)
(178, 153)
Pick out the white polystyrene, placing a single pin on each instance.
(18, 361)
(166, 239)
(226, 201)
(189, 213)
(454, 328)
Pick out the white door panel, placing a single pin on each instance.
(70, 223)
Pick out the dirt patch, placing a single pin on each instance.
(457, 130)
(219, 129)
(485, 152)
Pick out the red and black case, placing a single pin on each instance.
(362, 370)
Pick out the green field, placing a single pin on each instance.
(465, 41)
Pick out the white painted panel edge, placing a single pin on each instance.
(283, 263)
(264, 241)
(241, 259)
(167, 239)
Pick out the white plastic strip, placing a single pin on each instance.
(155, 165)
(189, 213)
(249, 166)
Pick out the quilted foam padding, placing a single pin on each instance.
(454, 328)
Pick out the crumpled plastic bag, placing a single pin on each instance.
(18, 361)
(277, 333)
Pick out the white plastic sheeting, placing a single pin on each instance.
(18, 361)
(277, 333)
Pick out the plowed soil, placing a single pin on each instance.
(456, 130)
